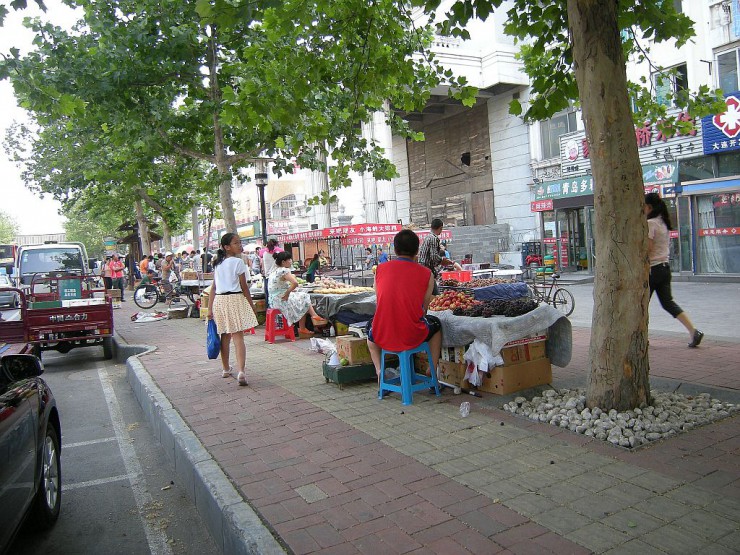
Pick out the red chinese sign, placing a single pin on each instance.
(719, 231)
(339, 231)
(541, 205)
(386, 238)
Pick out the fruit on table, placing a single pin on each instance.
(344, 362)
(486, 309)
(451, 300)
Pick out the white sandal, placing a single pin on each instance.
(242, 378)
(228, 373)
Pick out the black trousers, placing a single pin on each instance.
(660, 282)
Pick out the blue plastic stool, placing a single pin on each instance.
(408, 380)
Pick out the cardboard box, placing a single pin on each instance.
(421, 363)
(526, 352)
(353, 349)
(452, 373)
(454, 354)
(204, 301)
(509, 379)
(503, 380)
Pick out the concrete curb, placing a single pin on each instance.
(234, 525)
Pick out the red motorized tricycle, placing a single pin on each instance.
(60, 312)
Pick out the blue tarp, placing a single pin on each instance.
(501, 291)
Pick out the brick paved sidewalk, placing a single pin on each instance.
(340, 472)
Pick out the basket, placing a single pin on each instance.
(465, 275)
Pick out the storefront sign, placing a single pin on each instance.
(564, 188)
(721, 132)
(542, 205)
(653, 146)
(720, 231)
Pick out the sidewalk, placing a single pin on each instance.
(335, 471)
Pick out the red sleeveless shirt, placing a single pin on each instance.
(400, 287)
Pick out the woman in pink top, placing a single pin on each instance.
(659, 226)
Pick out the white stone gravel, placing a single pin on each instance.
(670, 414)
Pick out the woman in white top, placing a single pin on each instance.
(230, 303)
(659, 226)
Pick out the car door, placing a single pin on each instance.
(18, 438)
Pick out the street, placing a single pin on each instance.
(119, 491)
(713, 307)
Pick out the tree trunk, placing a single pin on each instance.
(166, 236)
(196, 229)
(143, 226)
(619, 340)
(208, 231)
(222, 161)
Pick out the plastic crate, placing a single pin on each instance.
(463, 276)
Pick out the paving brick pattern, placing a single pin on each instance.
(340, 472)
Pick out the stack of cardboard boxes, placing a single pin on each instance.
(525, 365)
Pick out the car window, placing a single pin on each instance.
(51, 260)
(4, 281)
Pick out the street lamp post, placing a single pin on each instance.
(261, 182)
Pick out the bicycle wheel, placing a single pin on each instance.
(563, 301)
(146, 296)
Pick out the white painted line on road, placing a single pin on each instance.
(90, 483)
(91, 442)
(155, 537)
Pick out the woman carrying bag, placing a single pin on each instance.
(230, 303)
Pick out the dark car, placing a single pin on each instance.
(8, 298)
(30, 448)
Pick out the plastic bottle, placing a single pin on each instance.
(464, 409)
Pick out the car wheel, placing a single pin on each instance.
(108, 348)
(48, 499)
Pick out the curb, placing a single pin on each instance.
(235, 527)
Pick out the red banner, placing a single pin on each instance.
(720, 231)
(386, 238)
(339, 231)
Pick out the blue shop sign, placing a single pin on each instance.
(721, 132)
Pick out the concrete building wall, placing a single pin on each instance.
(401, 183)
(510, 163)
(482, 241)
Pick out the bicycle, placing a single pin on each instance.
(560, 298)
(149, 294)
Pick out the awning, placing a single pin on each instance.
(339, 232)
(386, 238)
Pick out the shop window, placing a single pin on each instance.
(695, 169)
(551, 130)
(668, 83)
(727, 71)
(728, 164)
(718, 249)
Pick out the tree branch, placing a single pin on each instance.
(150, 201)
(185, 151)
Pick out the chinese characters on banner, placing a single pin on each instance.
(339, 231)
(386, 238)
(720, 231)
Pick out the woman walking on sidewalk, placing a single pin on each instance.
(659, 226)
(230, 303)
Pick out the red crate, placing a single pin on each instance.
(465, 275)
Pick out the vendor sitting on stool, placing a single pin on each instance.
(294, 305)
(403, 289)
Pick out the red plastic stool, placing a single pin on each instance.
(250, 331)
(272, 329)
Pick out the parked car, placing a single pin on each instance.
(30, 448)
(8, 298)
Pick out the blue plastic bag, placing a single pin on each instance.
(213, 340)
